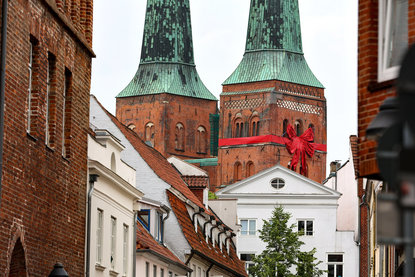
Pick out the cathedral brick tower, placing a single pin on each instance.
(166, 103)
(272, 108)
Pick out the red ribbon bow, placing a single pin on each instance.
(299, 146)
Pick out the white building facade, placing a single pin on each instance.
(113, 201)
(313, 209)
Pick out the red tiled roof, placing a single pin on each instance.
(145, 242)
(157, 162)
(354, 140)
(196, 181)
(197, 241)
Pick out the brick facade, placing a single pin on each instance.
(166, 112)
(42, 213)
(270, 104)
(371, 95)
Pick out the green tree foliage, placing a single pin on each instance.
(282, 252)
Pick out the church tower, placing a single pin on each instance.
(166, 102)
(272, 108)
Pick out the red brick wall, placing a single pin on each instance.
(165, 111)
(44, 194)
(271, 115)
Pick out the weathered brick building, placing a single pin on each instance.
(44, 173)
(166, 103)
(272, 89)
(386, 28)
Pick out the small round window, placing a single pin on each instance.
(278, 183)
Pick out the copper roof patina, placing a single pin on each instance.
(273, 46)
(167, 62)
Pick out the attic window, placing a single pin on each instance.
(278, 183)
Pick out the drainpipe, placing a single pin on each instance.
(211, 218)
(207, 271)
(211, 232)
(164, 220)
(92, 179)
(2, 83)
(135, 242)
(201, 210)
(227, 238)
(220, 233)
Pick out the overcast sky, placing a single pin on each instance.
(329, 31)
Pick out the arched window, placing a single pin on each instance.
(113, 164)
(18, 261)
(239, 127)
(149, 133)
(255, 126)
(250, 169)
(284, 128)
(298, 126)
(201, 140)
(179, 140)
(237, 173)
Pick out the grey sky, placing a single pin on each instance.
(329, 30)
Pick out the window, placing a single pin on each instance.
(100, 214)
(393, 37)
(284, 128)
(170, 274)
(305, 227)
(278, 183)
(159, 227)
(312, 128)
(239, 126)
(113, 241)
(335, 265)
(161, 272)
(50, 99)
(125, 250)
(147, 269)
(201, 141)
(32, 57)
(149, 133)
(179, 140)
(154, 271)
(237, 174)
(250, 169)
(144, 218)
(248, 227)
(113, 163)
(66, 111)
(248, 259)
(298, 126)
(199, 272)
(255, 126)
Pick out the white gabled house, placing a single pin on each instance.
(313, 209)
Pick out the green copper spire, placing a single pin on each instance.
(273, 46)
(167, 62)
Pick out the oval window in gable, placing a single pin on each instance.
(278, 183)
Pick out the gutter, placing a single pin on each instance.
(164, 220)
(92, 179)
(2, 83)
(163, 258)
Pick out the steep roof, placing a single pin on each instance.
(197, 241)
(146, 243)
(159, 164)
(167, 60)
(274, 48)
(196, 181)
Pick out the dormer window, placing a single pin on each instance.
(144, 218)
(278, 183)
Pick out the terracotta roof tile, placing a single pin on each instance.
(197, 241)
(196, 181)
(354, 145)
(146, 242)
(157, 162)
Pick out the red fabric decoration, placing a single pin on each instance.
(299, 147)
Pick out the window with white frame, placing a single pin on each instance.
(154, 271)
(113, 241)
(248, 259)
(248, 227)
(305, 227)
(125, 250)
(159, 227)
(147, 269)
(393, 37)
(335, 265)
(161, 272)
(100, 218)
